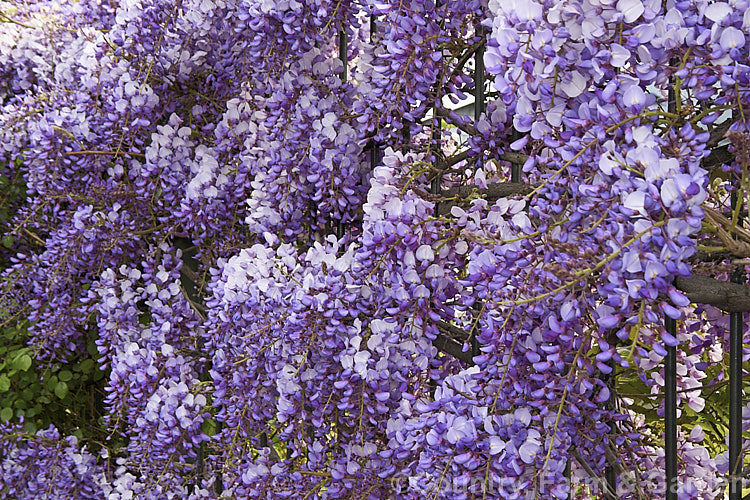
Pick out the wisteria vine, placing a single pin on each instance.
(303, 275)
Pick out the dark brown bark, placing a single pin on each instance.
(450, 341)
(730, 297)
(719, 256)
(718, 132)
(718, 156)
(491, 194)
(452, 160)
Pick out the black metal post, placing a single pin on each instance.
(610, 479)
(344, 56)
(343, 53)
(670, 413)
(219, 483)
(478, 83)
(478, 110)
(568, 464)
(515, 168)
(436, 137)
(405, 136)
(610, 472)
(735, 391)
(375, 152)
(735, 404)
(435, 189)
(670, 382)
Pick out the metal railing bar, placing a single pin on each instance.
(670, 382)
(610, 471)
(343, 54)
(735, 389)
(670, 413)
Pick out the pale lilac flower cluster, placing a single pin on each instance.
(47, 465)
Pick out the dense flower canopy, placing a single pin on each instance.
(263, 221)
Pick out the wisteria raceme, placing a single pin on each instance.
(146, 324)
(294, 269)
(289, 174)
(49, 466)
(53, 282)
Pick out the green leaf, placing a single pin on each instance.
(22, 363)
(4, 383)
(209, 426)
(6, 414)
(28, 378)
(144, 319)
(61, 390)
(86, 365)
(92, 349)
(52, 383)
(65, 375)
(7, 241)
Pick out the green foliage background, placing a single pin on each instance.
(67, 396)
